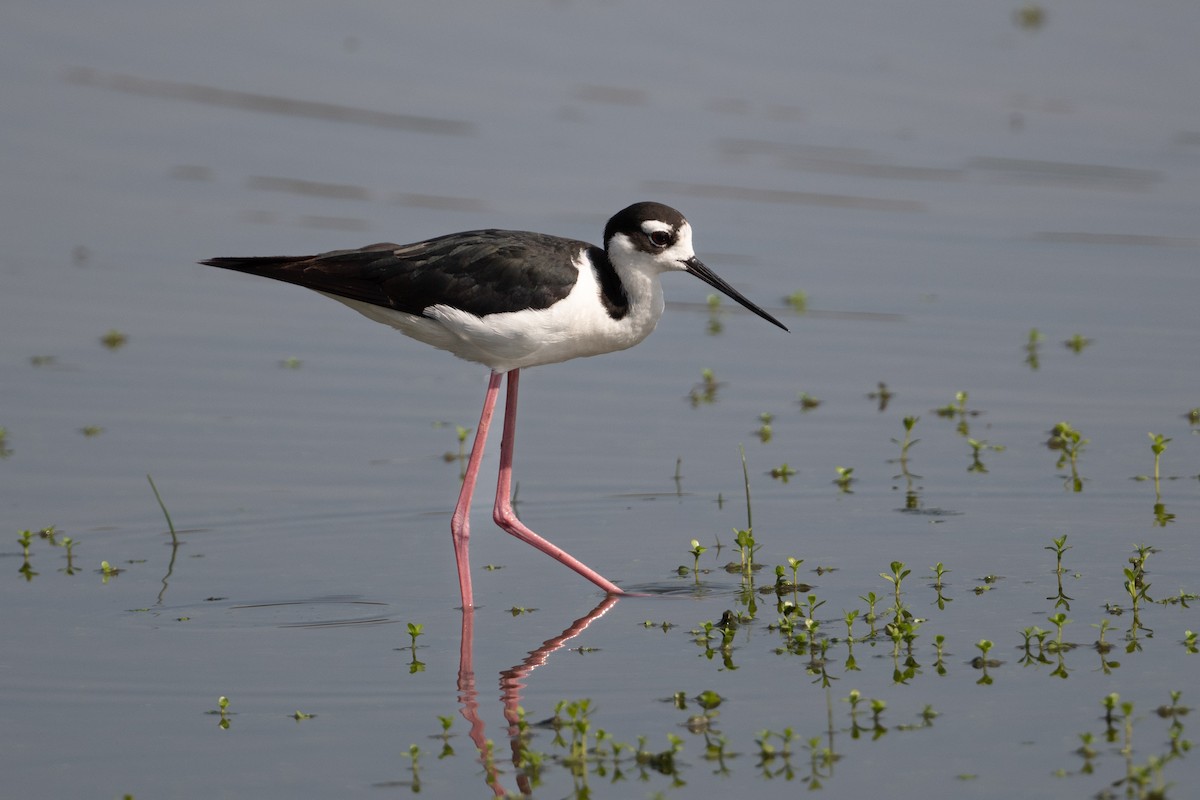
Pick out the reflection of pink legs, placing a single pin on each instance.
(511, 684)
(502, 512)
(469, 698)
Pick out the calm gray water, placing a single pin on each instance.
(936, 178)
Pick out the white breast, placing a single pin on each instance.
(576, 326)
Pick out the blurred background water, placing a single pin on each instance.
(938, 179)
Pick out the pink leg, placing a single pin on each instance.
(460, 523)
(503, 512)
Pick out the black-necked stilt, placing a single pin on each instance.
(508, 300)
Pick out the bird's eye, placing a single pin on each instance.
(659, 238)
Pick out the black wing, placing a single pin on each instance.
(481, 272)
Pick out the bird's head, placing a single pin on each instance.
(655, 238)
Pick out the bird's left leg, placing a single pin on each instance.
(503, 512)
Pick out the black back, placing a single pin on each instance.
(480, 272)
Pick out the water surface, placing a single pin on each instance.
(938, 180)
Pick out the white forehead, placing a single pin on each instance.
(656, 226)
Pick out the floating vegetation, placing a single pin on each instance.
(977, 447)
(1077, 343)
(782, 473)
(715, 325)
(460, 434)
(882, 395)
(114, 339)
(705, 392)
(765, 431)
(1032, 348)
(1030, 17)
(222, 711)
(958, 411)
(844, 479)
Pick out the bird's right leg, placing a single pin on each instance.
(460, 523)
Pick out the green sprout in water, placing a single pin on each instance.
(907, 442)
(1060, 546)
(696, 551)
(26, 539)
(744, 540)
(1060, 621)
(1077, 343)
(1158, 443)
(1103, 647)
(982, 662)
(715, 325)
(414, 753)
(1070, 443)
(844, 479)
(108, 571)
(795, 563)
(705, 392)
(882, 395)
(958, 410)
(807, 401)
(938, 584)
(870, 599)
(222, 711)
(114, 339)
(415, 629)
(1030, 17)
(460, 434)
(1031, 348)
(912, 495)
(798, 301)
(69, 544)
(899, 573)
(977, 446)
(764, 431)
(1162, 517)
(782, 473)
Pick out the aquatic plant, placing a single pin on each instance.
(1077, 343)
(764, 431)
(844, 478)
(1071, 443)
(1032, 347)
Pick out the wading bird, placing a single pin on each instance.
(509, 300)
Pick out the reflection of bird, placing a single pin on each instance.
(510, 299)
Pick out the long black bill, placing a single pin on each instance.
(695, 267)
